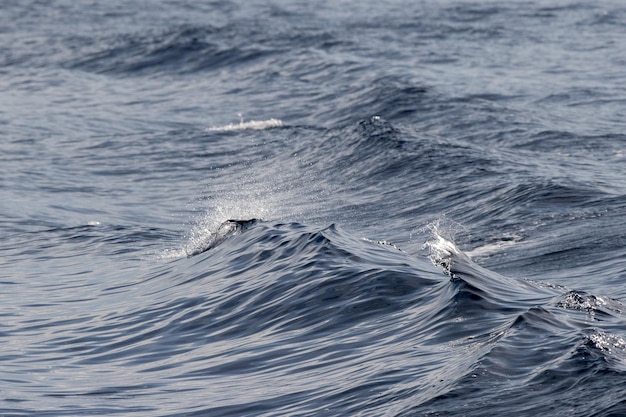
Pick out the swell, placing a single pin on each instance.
(505, 331)
(504, 196)
(181, 50)
(305, 278)
(335, 322)
(196, 48)
(274, 301)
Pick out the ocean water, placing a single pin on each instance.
(290, 208)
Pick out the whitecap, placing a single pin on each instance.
(440, 245)
(250, 125)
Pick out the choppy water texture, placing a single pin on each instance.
(257, 208)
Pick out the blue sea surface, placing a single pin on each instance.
(289, 208)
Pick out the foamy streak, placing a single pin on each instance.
(495, 247)
(251, 125)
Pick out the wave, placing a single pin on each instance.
(287, 302)
(473, 331)
(179, 50)
(392, 98)
(535, 339)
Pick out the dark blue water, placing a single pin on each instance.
(252, 208)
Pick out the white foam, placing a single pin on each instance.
(608, 342)
(251, 125)
(440, 248)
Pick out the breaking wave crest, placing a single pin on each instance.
(249, 125)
